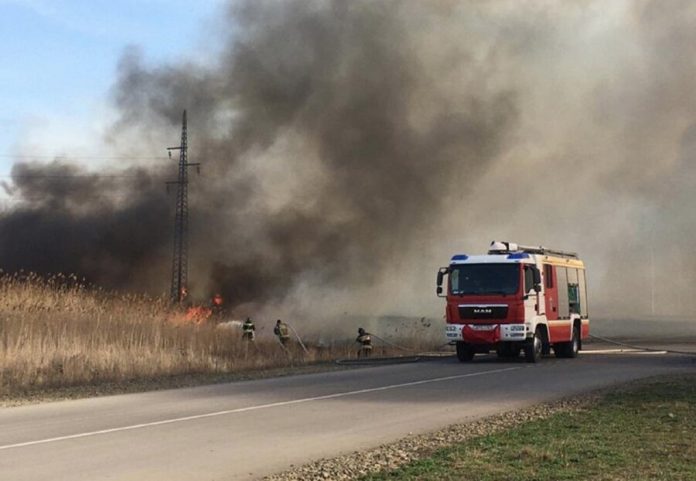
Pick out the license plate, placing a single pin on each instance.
(483, 327)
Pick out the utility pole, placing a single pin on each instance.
(179, 286)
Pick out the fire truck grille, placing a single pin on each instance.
(483, 312)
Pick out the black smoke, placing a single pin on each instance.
(347, 145)
(103, 227)
(337, 97)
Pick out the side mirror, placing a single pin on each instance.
(440, 277)
(537, 276)
(441, 274)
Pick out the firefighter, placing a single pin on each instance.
(281, 330)
(365, 343)
(248, 330)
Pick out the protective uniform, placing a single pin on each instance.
(365, 343)
(248, 330)
(281, 330)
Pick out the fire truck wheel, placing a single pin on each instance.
(569, 349)
(532, 348)
(574, 346)
(465, 353)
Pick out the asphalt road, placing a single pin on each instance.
(246, 430)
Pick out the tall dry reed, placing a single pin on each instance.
(58, 332)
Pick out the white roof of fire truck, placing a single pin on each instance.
(508, 252)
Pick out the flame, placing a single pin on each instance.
(196, 315)
(217, 300)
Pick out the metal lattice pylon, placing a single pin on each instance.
(179, 285)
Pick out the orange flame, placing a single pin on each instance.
(198, 314)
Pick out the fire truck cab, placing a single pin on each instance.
(515, 298)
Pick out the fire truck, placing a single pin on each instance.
(515, 299)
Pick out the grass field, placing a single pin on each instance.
(56, 333)
(642, 432)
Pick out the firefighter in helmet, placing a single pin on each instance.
(248, 330)
(281, 330)
(365, 341)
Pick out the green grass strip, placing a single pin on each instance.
(642, 432)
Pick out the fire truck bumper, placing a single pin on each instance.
(485, 333)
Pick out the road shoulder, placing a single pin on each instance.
(420, 448)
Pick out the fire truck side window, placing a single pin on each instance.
(528, 279)
(548, 275)
(573, 291)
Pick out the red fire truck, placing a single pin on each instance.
(516, 298)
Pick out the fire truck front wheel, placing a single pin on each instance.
(465, 352)
(533, 347)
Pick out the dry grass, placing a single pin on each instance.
(57, 332)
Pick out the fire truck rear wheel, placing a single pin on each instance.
(569, 349)
(533, 347)
(465, 352)
(574, 343)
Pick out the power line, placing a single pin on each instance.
(156, 176)
(70, 176)
(39, 197)
(81, 157)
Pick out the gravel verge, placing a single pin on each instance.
(391, 456)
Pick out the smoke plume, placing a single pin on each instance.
(349, 148)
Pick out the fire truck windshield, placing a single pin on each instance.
(484, 279)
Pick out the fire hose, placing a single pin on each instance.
(396, 346)
(299, 340)
(419, 353)
(640, 348)
(304, 348)
(415, 356)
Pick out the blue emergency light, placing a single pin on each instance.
(518, 255)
